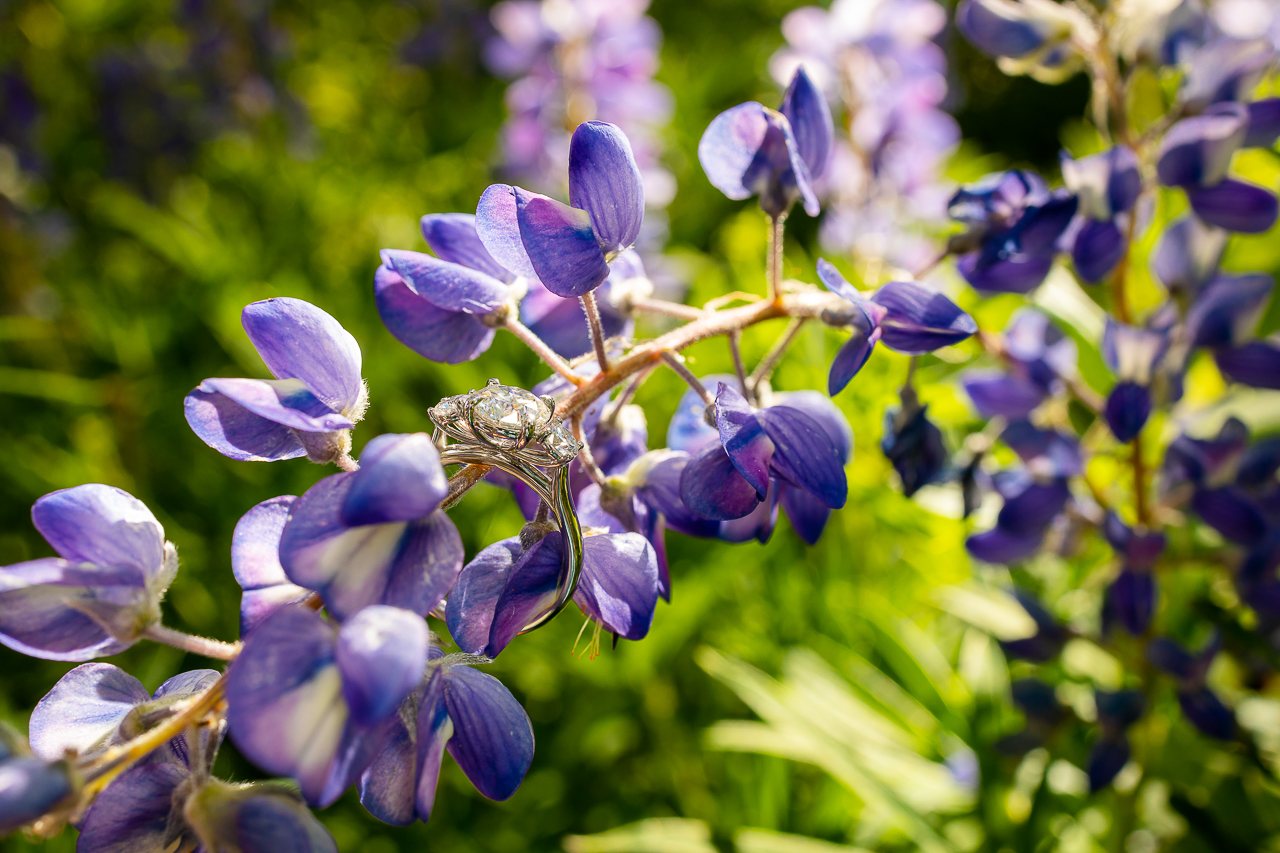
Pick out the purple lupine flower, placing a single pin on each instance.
(29, 787)
(1044, 716)
(102, 592)
(376, 535)
(913, 444)
(1187, 256)
(1256, 364)
(1227, 311)
(1107, 186)
(460, 708)
(569, 247)
(310, 407)
(729, 478)
(1196, 154)
(311, 700)
(774, 154)
(1133, 354)
(506, 586)
(1225, 69)
(1200, 705)
(1028, 37)
(97, 705)
(1131, 598)
(910, 319)
(1033, 496)
(255, 562)
(444, 307)
(1117, 712)
(1049, 638)
(1013, 223)
(1037, 357)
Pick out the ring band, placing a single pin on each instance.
(516, 432)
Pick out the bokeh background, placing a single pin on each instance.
(164, 162)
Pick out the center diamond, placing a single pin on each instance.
(508, 414)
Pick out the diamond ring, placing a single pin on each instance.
(517, 432)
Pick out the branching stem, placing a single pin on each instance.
(767, 364)
(585, 458)
(535, 343)
(676, 363)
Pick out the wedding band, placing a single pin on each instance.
(517, 432)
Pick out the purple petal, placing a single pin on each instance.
(1106, 760)
(1170, 657)
(998, 30)
(806, 109)
(498, 228)
(996, 394)
(920, 320)
(449, 337)
(134, 813)
(1231, 513)
(57, 610)
(827, 415)
(850, 358)
(1235, 206)
(1003, 546)
(1227, 312)
(299, 341)
(688, 430)
(446, 285)
(1255, 364)
(914, 447)
(262, 819)
(1131, 601)
(492, 736)
(804, 454)
(808, 514)
(758, 524)
(1197, 151)
(284, 401)
(561, 244)
(659, 488)
(102, 525)
(1264, 123)
(474, 597)
(1098, 247)
(1047, 452)
(387, 787)
(729, 146)
(1038, 230)
(1127, 410)
(400, 479)
(434, 730)
(234, 431)
(1132, 352)
(619, 585)
(604, 180)
(1016, 274)
(255, 562)
(529, 592)
(1188, 254)
(453, 238)
(382, 655)
(711, 487)
(744, 438)
(1206, 712)
(84, 710)
(1034, 508)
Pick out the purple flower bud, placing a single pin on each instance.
(1200, 705)
(914, 446)
(1117, 712)
(29, 787)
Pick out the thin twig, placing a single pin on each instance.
(670, 309)
(676, 363)
(584, 455)
(535, 343)
(773, 275)
(767, 364)
(597, 329)
(461, 483)
(191, 643)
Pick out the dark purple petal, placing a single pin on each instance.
(446, 285)
(1259, 464)
(804, 454)
(1171, 658)
(498, 228)
(744, 438)
(1098, 247)
(729, 145)
(400, 479)
(659, 488)
(1255, 364)
(474, 597)
(758, 524)
(1188, 254)
(133, 814)
(1002, 546)
(915, 448)
(102, 525)
(262, 819)
(806, 109)
(872, 313)
(1227, 312)
(996, 394)
(826, 413)
(604, 180)
(453, 238)
(234, 431)
(382, 655)
(492, 736)
(1205, 711)
(1231, 513)
(1015, 274)
(529, 592)
(1033, 509)
(1197, 151)
(1127, 410)
(712, 488)
(808, 515)
(299, 341)
(434, 729)
(919, 320)
(998, 29)
(1106, 760)
(449, 337)
(388, 786)
(619, 585)
(284, 401)
(1264, 123)
(1038, 230)
(1047, 452)
(561, 244)
(255, 562)
(1236, 206)
(850, 358)
(1118, 710)
(57, 610)
(84, 710)
(1130, 601)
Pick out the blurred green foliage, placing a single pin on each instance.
(120, 290)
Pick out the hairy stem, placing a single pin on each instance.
(597, 329)
(628, 394)
(676, 363)
(535, 343)
(461, 483)
(191, 643)
(739, 368)
(767, 364)
(584, 455)
(670, 309)
(346, 463)
(773, 279)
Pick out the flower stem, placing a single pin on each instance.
(597, 329)
(584, 455)
(461, 483)
(773, 280)
(628, 394)
(767, 364)
(676, 363)
(346, 463)
(548, 355)
(670, 309)
(1141, 509)
(739, 369)
(191, 643)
